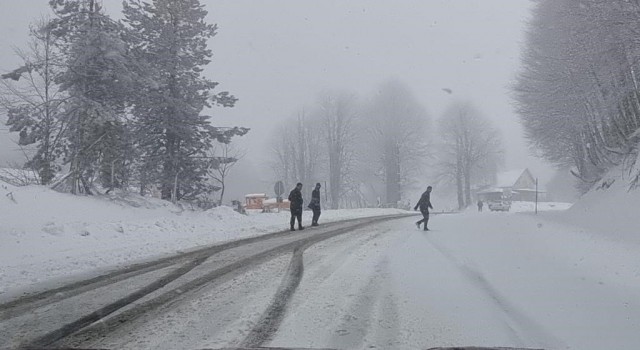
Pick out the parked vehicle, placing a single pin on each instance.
(499, 205)
(255, 201)
(260, 201)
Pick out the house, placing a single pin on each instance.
(515, 185)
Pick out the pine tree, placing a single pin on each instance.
(116, 155)
(97, 77)
(169, 38)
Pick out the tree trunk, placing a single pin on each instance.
(459, 187)
(467, 186)
(393, 175)
(334, 177)
(221, 192)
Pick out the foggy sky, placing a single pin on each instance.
(275, 56)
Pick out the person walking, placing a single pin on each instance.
(314, 205)
(295, 206)
(424, 204)
(480, 204)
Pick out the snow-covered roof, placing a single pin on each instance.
(274, 200)
(491, 190)
(255, 195)
(529, 190)
(509, 178)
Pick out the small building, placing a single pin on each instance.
(515, 185)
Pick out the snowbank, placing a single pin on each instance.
(47, 235)
(523, 207)
(610, 209)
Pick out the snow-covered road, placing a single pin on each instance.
(476, 279)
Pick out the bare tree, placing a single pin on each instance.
(34, 104)
(578, 93)
(337, 113)
(396, 129)
(225, 157)
(469, 145)
(296, 147)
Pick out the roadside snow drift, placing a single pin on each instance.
(611, 209)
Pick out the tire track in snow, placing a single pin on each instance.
(513, 315)
(372, 313)
(271, 319)
(269, 322)
(105, 311)
(107, 326)
(24, 304)
(345, 299)
(32, 300)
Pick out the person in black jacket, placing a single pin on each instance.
(295, 201)
(314, 205)
(424, 204)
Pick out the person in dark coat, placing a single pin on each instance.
(295, 201)
(424, 204)
(314, 205)
(480, 204)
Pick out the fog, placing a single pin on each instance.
(276, 56)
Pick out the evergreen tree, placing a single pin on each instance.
(97, 76)
(115, 155)
(169, 38)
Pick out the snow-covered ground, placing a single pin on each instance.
(476, 279)
(563, 279)
(568, 278)
(48, 235)
(523, 207)
(611, 209)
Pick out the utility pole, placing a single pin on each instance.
(536, 196)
